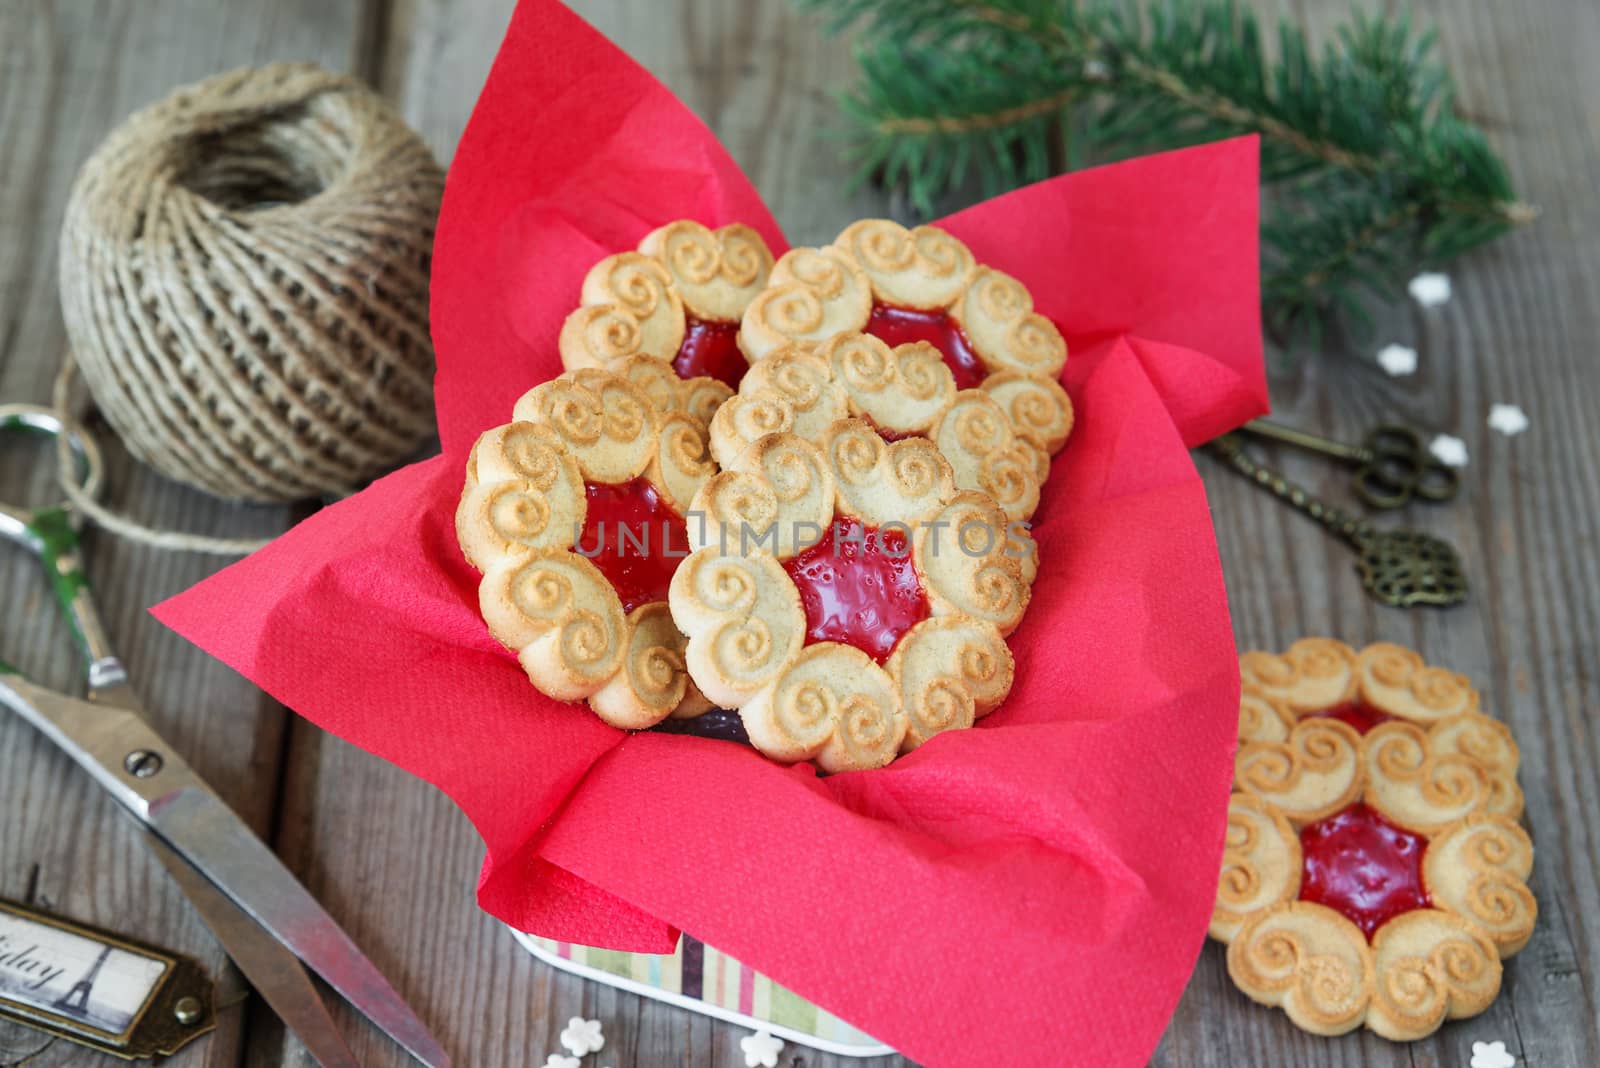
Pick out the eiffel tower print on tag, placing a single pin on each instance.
(98, 988)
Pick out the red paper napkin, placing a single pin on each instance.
(1033, 891)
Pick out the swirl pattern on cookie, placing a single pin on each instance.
(881, 482)
(996, 314)
(745, 419)
(652, 683)
(834, 706)
(1415, 787)
(743, 619)
(802, 380)
(1479, 868)
(716, 272)
(1396, 680)
(1037, 406)
(1261, 719)
(640, 286)
(549, 591)
(838, 283)
(557, 610)
(789, 314)
(1430, 966)
(1407, 877)
(969, 563)
(1260, 864)
(986, 453)
(903, 390)
(921, 268)
(950, 671)
(1308, 959)
(598, 336)
(523, 492)
(1314, 773)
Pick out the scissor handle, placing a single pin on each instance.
(51, 534)
(18, 523)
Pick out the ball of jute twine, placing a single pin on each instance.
(244, 279)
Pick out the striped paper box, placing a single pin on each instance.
(695, 976)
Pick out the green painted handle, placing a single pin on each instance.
(58, 551)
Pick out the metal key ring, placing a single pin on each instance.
(1380, 486)
(1437, 482)
(1428, 478)
(17, 523)
(1400, 468)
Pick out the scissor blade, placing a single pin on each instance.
(173, 801)
(210, 836)
(275, 972)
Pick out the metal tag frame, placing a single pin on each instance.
(97, 988)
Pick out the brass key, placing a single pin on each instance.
(1400, 568)
(1393, 464)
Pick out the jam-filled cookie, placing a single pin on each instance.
(846, 597)
(678, 298)
(1374, 872)
(574, 513)
(906, 391)
(920, 286)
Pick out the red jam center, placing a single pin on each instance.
(859, 587)
(1363, 717)
(635, 538)
(900, 326)
(1358, 863)
(711, 348)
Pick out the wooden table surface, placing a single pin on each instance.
(395, 862)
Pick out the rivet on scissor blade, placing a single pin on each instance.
(188, 1011)
(142, 763)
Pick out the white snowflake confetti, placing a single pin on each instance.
(1397, 360)
(560, 1060)
(1430, 289)
(761, 1050)
(1491, 1055)
(1448, 450)
(582, 1036)
(1509, 419)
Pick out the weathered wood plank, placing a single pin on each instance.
(68, 72)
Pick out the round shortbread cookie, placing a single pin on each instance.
(1373, 872)
(802, 539)
(585, 621)
(880, 278)
(903, 393)
(678, 300)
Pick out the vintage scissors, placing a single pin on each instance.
(259, 912)
(1393, 465)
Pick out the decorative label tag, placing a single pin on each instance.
(98, 989)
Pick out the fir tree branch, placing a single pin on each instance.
(955, 86)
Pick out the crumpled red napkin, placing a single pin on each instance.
(1033, 891)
